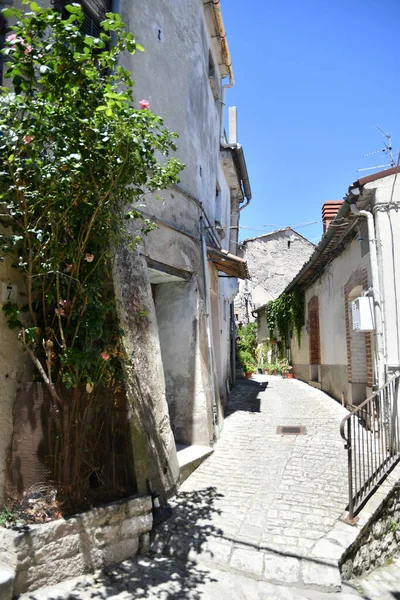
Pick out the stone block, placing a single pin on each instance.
(48, 573)
(63, 548)
(119, 551)
(322, 576)
(139, 506)
(7, 577)
(327, 549)
(281, 569)
(249, 561)
(144, 543)
(216, 551)
(104, 535)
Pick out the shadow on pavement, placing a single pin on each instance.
(169, 572)
(245, 397)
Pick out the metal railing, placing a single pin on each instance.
(372, 439)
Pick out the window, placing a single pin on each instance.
(218, 209)
(212, 76)
(95, 12)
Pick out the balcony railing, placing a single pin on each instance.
(372, 439)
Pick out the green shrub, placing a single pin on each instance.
(247, 361)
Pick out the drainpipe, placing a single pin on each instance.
(376, 293)
(208, 326)
(115, 4)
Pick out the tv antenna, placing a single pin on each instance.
(387, 151)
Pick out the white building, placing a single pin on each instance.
(342, 352)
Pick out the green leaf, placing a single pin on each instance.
(73, 8)
(34, 7)
(139, 47)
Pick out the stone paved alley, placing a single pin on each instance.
(247, 523)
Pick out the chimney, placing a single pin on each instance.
(330, 209)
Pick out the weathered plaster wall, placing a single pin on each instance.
(178, 316)
(153, 444)
(46, 554)
(172, 74)
(273, 260)
(12, 364)
(329, 289)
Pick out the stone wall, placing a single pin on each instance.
(273, 260)
(46, 554)
(377, 542)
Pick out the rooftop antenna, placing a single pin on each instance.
(387, 150)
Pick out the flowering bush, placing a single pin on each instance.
(75, 157)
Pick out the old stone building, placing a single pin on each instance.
(273, 259)
(183, 278)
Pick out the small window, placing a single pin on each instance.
(288, 244)
(94, 11)
(211, 66)
(212, 76)
(218, 208)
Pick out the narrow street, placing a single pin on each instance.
(247, 522)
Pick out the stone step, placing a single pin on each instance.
(191, 457)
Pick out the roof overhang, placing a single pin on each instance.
(228, 263)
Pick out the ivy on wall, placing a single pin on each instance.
(286, 313)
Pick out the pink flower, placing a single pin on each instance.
(144, 104)
(89, 257)
(104, 356)
(11, 38)
(68, 268)
(60, 312)
(65, 303)
(28, 139)
(28, 48)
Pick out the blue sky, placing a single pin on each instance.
(313, 79)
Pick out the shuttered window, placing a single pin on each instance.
(95, 12)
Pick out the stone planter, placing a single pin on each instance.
(36, 555)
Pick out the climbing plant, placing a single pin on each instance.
(270, 314)
(76, 156)
(287, 313)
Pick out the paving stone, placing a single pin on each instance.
(281, 569)
(323, 576)
(326, 549)
(249, 561)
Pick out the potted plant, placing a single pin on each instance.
(286, 368)
(248, 362)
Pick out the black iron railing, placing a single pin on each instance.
(372, 439)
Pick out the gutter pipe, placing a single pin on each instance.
(216, 4)
(208, 326)
(376, 293)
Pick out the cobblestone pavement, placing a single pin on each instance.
(262, 502)
(247, 522)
